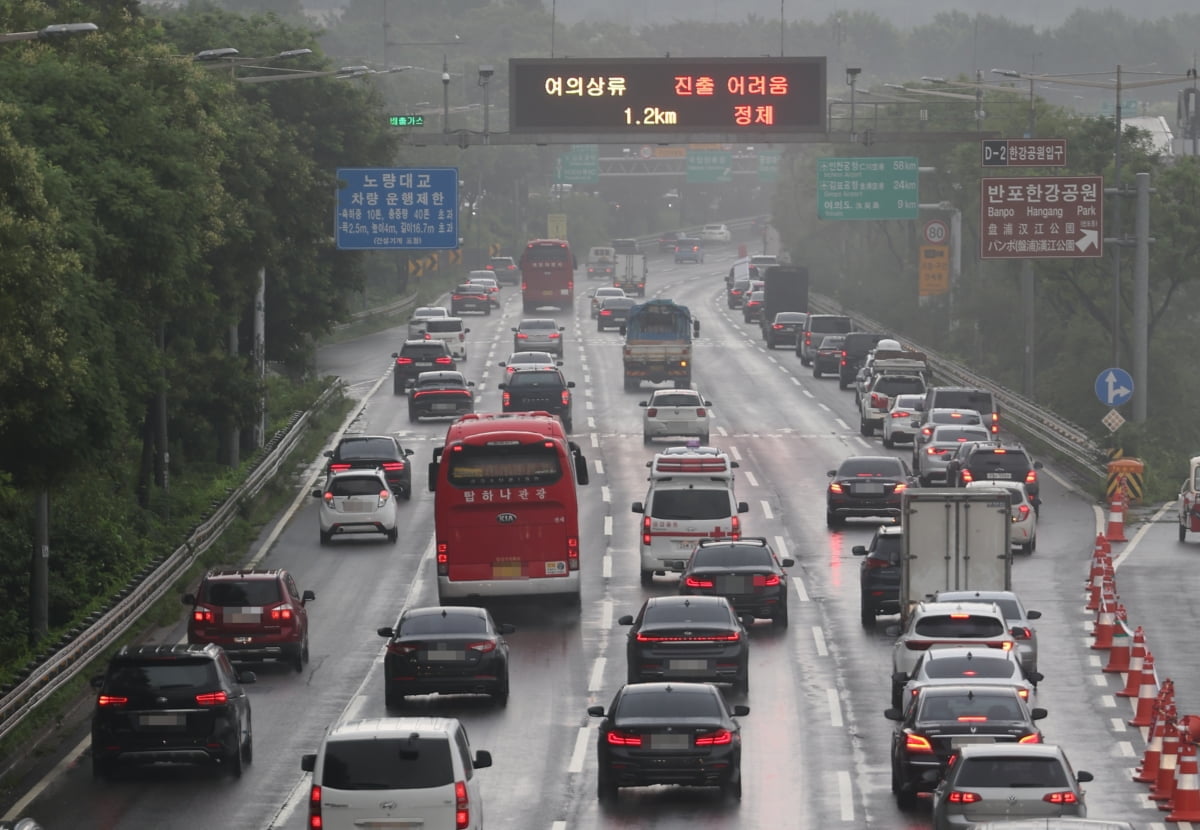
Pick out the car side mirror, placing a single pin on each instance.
(407, 453)
(470, 383)
(188, 599)
(643, 403)
(308, 762)
(831, 473)
(1083, 776)
(501, 363)
(708, 403)
(558, 363)
(1033, 615)
(899, 677)
(696, 328)
(386, 631)
(621, 330)
(395, 354)
(893, 714)
(637, 507)
(1034, 676)
(1037, 713)
(595, 711)
(329, 453)
(740, 710)
(483, 759)
(859, 550)
(788, 562)
(308, 596)
(246, 677)
(316, 494)
(627, 619)
(570, 384)
(562, 328)
(747, 620)
(743, 507)
(506, 628)
(1037, 465)
(514, 328)
(466, 331)
(502, 386)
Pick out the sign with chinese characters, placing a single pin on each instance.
(934, 270)
(1041, 217)
(708, 166)
(656, 96)
(1024, 152)
(396, 208)
(867, 188)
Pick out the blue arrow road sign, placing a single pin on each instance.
(1114, 387)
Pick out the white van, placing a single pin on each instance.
(690, 498)
(451, 331)
(395, 772)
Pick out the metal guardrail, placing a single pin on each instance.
(81, 646)
(1026, 417)
(403, 304)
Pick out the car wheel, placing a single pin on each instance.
(832, 519)
(393, 535)
(599, 327)
(888, 442)
(248, 748)
(391, 699)
(770, 343)
(865, 428)
(924, 481)
(568, 425)
(647, 578)
(732, 786)
(646, 439)
(781, 615)
(405, 493)
(413, 417)
(606, 787)
(325, 538)
(842, 384)
(298, 659)
(397, 388)
(487, 312)
(804, 361)
(235, 763)
(742, 682)
(704, 439)
(500, 696)
(906, 799)
(867, 614)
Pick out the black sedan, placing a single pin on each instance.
(940, 719)
(784, 328)
(829, 355)
(866, 485)
(469, 297)
(440, 395)
(355, 452)
(746, 572)
(614, 312)
(669, 733)
(688, 638)
(458, 650)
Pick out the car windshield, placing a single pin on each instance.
(367, 448)
(531, 379)
(870, 467)
(958, 625)
(698, 504)
(972, 666)
(409, 763)
(952, 433)
(423, 624)
(685, 612)
(731, 556)
(356, 486)
(1039, 773)
(675, 399)
(163, 676)
(240, 593)
(667, 705)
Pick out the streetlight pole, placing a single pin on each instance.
(852, 73)
(52, 31)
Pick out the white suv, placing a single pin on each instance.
(357, 501)
(452, 332)
(675, 413)
(416, 324)
(716, 233)
(395, 772)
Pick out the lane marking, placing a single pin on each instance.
(581, 742)
(835, 708)
(599, 467)
(801, 593)
(766, 509)
(846, 796)
(819, 639)
(606, 567)
(1126, 749)
(1099, 680)
(750, 477)
(606, 614)
(823, 406)
(737, 456)
(808, 394)
(842, 424)
(608, 525)
(780, 548)
(595, 438)
(722, 431)
(1108, 701)
(596, 681)
(605, 493)
(1117, 724)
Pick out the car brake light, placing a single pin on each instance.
(604, 312)
(618, 738)
(1005, 646)
(482, 646)
(719, 738)
(566, 398)
(936, 451)
(697, 582)
(111, 700)
(878, 401)
(404, 361)
(392, 466)
(384, 495)
(871, 563)
(443, 361)
(730, 637)
(1035, 738)
(963, 797)
(645, 530)
(462, 807)
(900, 413)
(1023, 694)
(212, 699)
(203, 615)
(338, 468)
(960, 616)
(1031, 477)
(966, 476)
(735, 528)
(554, 335)
(283, 613)
(314, 808)
(1064, 797)
(836, 488)
(917, 743)
(972, 719)
(428, 336)
(522, 335)
(900, 487)
(506, 399)
(403, 649)
(700, 413)
(777, 326)
(766, 580)
(1022, 633)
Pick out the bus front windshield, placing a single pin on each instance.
(503, 465)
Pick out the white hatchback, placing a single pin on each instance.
(898, 423)
(357, 501)
(1024, 516)
(416, 323)
(675, 413)
(396, 772)
(716, 233)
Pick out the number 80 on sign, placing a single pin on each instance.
(936, 232)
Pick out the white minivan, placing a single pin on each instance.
(395, 772)
(690, 498)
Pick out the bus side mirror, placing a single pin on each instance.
(621, 330)
(695, 328)
(433, 472)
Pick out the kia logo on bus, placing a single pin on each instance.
(506, 518)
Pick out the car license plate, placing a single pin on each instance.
(443, 655)
(972, 739)
(658, 741)
(443, 407)
(245, 615)
(731, 584)
(684, 544)
(1005, 476)
(423, 364)
(357, 507)
(688, 665)
(509, 571)
(868, 489)
(171, 719)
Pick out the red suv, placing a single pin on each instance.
(253, 614)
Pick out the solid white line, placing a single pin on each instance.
(356, 703)
(841, 423)
(581, 742)
(846, 796)
(819, 639)
(801, 593)
(766, 509)
(835, 708)
(606, 567)
(1142, 531)
(599, 467)
(751, 478)
(596, 681)
(60, 768)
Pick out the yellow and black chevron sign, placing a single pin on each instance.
(1126, 476)
(494, 249)
(454, 256)
(423, 265)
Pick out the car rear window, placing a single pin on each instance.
(832, 342)
(977, 399)
(388, 764)
(898, 385)
(820, 323)
(937, 417)
(355, 486)
(974, 666)
(439, 624)
(952, 433)
(871, 467)
(680, 612)
(1035, 773)
(240, 593)
(667, 705)
(982, 704)
(958, 625)
(681, 505)
(531, 380)
(367, 448)
(1009, 461)
(790, 317)
(675, 399)
(425, 351)
(163, 676)
(443, 325)
(538, 325)
(731, 556)
(618, 302)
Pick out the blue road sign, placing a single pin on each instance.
(1114, 387)
(385, 208)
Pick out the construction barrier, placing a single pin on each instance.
(1126, 476)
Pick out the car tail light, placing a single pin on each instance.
(404, 361)
(871, 563)
(212, 699)
(1031, 477)
(1021, 513)
(651, 413)
(554, 335)
(1005, 646)
(721, 737)
(282, 613)
(834, 487)
(964, 797)
(462, 338)
(524, 286)
(573, 553)
(522, 335)
(1022, 633)
(766, 580)
(392, 466)
(604, 312)
(384, 495)
(482, 646)
(462, 806)
(506, 399)
(777, 326)
(966, 476)
(566, 397)
(645, 530)
(1023, 694)
(1036, 737)
(618, 738)
(936, 451)
(737, 292)
(701, 413)
(697, 582)
(404, 649)
(203, 615)
(917, 743)
(314, 808)
(729, 637)
(338, 468)
(444, 361)
(900, 487)
(807, 338)
(735, 528)
(456, 296)
(878, 401)
(1063, 797)
(900, 413)
(917, 645)
(111, 701)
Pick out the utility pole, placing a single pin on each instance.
(1141, 298)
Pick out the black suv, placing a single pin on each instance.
(370, 452)
(879, 574)
(995, 462)
(171, 703)
(417, 356)
(855, 348)
(470, 297)
(539, 390)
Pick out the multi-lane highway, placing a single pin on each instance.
(815, 743)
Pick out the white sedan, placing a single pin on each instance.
(675, 413)
(898, 423)
(1024, 515)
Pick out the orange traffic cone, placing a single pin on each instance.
(1147, 773)
(1147, 695)
(1106, 620)
(1116, 519)
(1187, 786)
(1104, 571)
(1118, 658)
(1163, 787)
(1137, 662)
(1102, 543)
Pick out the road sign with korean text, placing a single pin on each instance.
(867, 188)
(384, 208)
(934, 270)
(709, 166)
(1024, 152)
(1041, 217)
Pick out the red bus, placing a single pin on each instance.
(506, 519)
(548, 274)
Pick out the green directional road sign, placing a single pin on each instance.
(709, 166)
(768, 165)
(579, 165)
(867, 188)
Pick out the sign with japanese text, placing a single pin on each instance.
(934, 270)
(1024, 152)
(1041, 217)
(867, 188)
(396, 208)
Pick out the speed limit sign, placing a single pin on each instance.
(936, 232)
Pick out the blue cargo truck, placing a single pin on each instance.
(658, 344)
